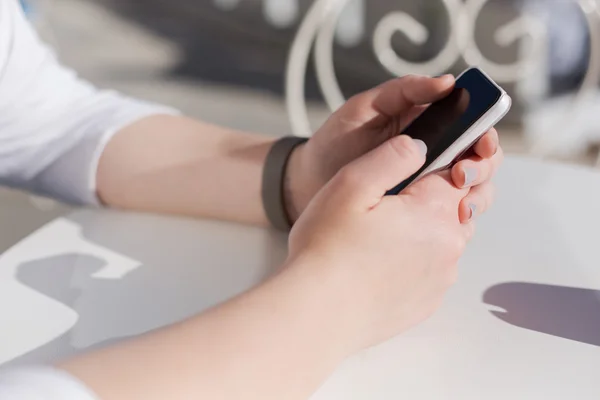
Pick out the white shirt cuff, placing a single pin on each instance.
(72, 177)
(42, 383)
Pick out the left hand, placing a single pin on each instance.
(369, 119)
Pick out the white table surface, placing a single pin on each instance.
(522, 323)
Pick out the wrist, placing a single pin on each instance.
(314, 278)
(297, 187)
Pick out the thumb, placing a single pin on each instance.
(382, 169)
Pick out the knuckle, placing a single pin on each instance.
(347, 177)
(354, 100)
(411, 79)
(428, 186)
(355, 110)
(439, 208)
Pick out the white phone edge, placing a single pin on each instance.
(473, 134)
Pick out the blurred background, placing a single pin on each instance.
(225, 61)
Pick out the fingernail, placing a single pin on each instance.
(422, 146)
(473, 209)
(470, 176)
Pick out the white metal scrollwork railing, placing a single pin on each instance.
(319, 25)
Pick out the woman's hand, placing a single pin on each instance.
(388, 260)
(362, 268)
(369, 119)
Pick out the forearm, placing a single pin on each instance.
(177, 165)
(279, 341)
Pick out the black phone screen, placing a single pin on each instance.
(445, 121)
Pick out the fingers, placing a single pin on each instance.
(470, 202)
(400, 95)
(397, 96)
(371, 176)
(488, 145)
(478, 201)
(476, 170)
(439, 188)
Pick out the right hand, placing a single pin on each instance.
(388, 260)
(369, 119)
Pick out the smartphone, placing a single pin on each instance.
(451, 127)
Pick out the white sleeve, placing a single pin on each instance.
(53, 126)
(42, 384)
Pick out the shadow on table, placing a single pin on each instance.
(186, 267)
(566, 312)
(61, 278)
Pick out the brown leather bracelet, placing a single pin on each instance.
(274, 174)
